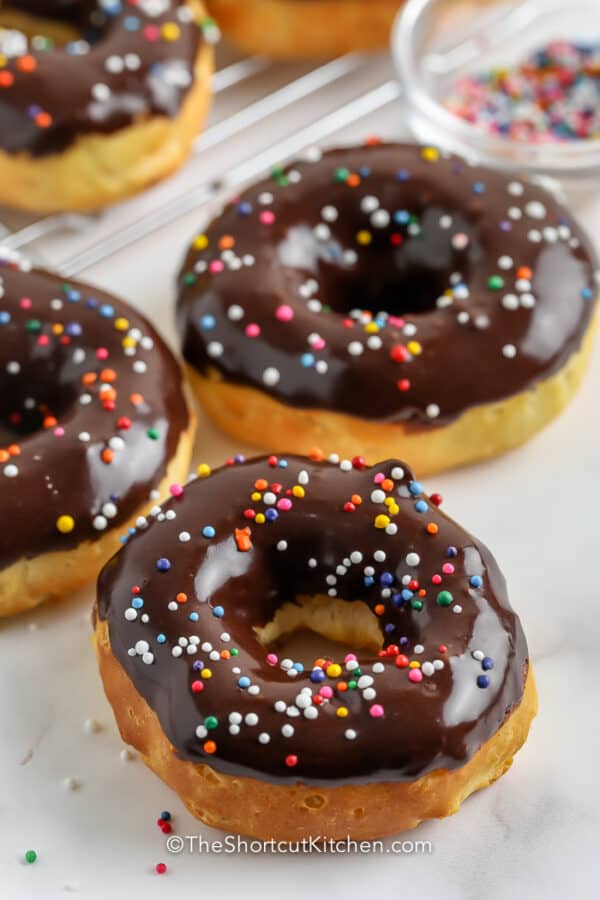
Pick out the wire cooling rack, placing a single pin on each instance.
(263, 113)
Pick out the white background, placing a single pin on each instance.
(534, 833)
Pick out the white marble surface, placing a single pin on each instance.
(535, 833)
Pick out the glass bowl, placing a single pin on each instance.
(435, 42)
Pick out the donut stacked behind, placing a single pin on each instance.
(426, 700)
(103, 100)
(388, 298)
(94, 427)
(295, 28)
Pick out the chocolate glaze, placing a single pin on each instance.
(145, 76)
(437, 723)
(51, 336)
(461, 361)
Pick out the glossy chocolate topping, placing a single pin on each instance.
(387, 282)
(91, 411)
(182, 600)
(127, 61)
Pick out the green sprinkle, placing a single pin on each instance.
(352, 685)
(33, 325)
(234, 651)
(341, 175)
(153, 433)
(444, 598)
(211, 722)
(30, 856)
(417, 604)
(189, 278)
(495, 282)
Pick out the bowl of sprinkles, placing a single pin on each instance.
(511, 84)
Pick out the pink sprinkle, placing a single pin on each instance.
(379, 478)
(285, 503)
(318, 343)
(59, 432)
(284, 313)
(396, 321)
(102, 353)
(436, 579)
(272, 659)
(151, 33)
(415, 675)
(215, 266)
(176, 490)
(267, 217)
(326, 692)
(376, 711)
(349, 657)
(252, 330)
(43, 340)
(447, 568)
(25, 303)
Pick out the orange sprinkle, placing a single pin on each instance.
(356, 499)
(319, 663)
(342, 686)
(14, 450)
(261, 484)
(353, 180)
(387, 484)
(136, 399)
(242, 539)
(4, 457)
(524, 272)
(108, 375)
(181, 597)
(6, 79)
(108, 393)
(422, 592)
(225, 654)
(379, 609)
(43, 120)
(316, 453)
(107, 456)
(226, 242)
(209, 747)
(432, 528)
(27, 64)
(49, 422)
(88, 377)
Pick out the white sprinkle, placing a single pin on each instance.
(215, 348)
(11, 471)
(355, 348)
(432, 410)
(329, 213)
(264, 738)
(287, 730)
(377, 496)
(510, 301)
(509, 351)
(397, 473)
(92, 726)
(412, 559)
(201, 731)
(235, 312)
(282, 545)
(350, 734)
(535, 209)
(271, 376)
(184, 537)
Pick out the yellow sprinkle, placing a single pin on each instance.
(334, 670)
(65, 524)
(259, 519)
(57, 328)
(203, 470)
(129, 341)
(364, 238)
(200, 242)
(388, 501)
(3, 60)
(298, 490)
(256, 496)
(414, 664)
(206, 673)
(430, 154)
(170, 31)
(121, 324)
(394, 509)
(342, 712)
(382, 521)
(371, 327)
(414, 347)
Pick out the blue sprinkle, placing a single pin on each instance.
(91, 303)
(131, 531)
(4, 317)
(398, 600)
(307, 360)
(163, 564)
(479, 187)
(476, 581)
(364, 171)
(403, 641)
(421, 506)
(208, 531)
(131, 23)
(208, 322)
(487, 663)
(389, 628)
(298, 667)
(73, 296)
(415, 488)
(369, 581)
(451, 552)
(106, 311)
(161, 638)
(244, 682)
(387, 578)
(219, 612)
(483, 681)
(73, 329)
(239, 458)
(137, 602)
(165, 816)
(403, 175)
(317, 675)
(283, 463)
(587, 293)
(198, 665)
(406, 595)
(193, 617)
(244, 208)
(402, 217)
(271, 515)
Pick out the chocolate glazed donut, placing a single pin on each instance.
(92, 420)
(105, 81)
(428, 700)
(387, 297)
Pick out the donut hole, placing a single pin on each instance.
(409, 289)
(316, 626)
(31, 402)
